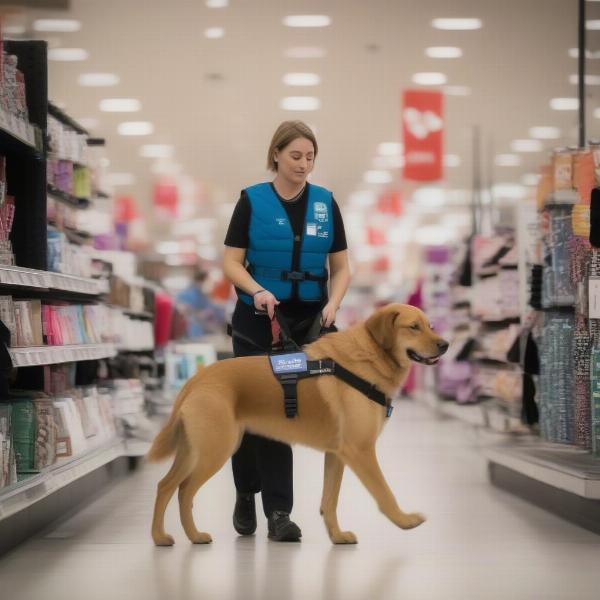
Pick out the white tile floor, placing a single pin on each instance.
(478, 544)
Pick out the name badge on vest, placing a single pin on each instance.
(288, 363)
(311, 229)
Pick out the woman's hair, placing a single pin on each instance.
(286, 133)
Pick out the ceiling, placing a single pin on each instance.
(217, 100)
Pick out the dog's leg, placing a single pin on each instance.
(332, 480)
(181, 468)
(364, 463)
(213, 451)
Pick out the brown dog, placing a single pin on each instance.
(221, 401)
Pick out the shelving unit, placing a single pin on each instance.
(49, 355)
(19, 277)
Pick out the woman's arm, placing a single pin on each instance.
(339, 280)
(235, 271)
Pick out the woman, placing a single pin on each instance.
(281, 236)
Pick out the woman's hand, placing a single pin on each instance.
(264, 300)
(328, 314)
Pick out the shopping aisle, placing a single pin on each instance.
(479, 543)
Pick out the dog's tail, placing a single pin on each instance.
(165, 443)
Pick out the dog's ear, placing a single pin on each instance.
(381, 326)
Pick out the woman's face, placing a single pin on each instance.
(296, 160)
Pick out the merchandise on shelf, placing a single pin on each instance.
(12, 89)
(64, 257)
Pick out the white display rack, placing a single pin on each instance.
(564, 467)
(23, 494)
(32, 278)
(18, 128)
(48, 355)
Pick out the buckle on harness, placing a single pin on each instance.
(294, 276)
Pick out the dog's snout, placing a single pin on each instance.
(443, 346)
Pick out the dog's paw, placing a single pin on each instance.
(344, 537)
(412, 520)
(201, 538)
(163, 540)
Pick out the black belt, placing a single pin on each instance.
(288, 275)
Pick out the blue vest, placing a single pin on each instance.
(270, 254)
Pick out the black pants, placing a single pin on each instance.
(260, 464)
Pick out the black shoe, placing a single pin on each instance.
(281, 529)
(244, 514)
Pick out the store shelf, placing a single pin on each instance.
(68, 199)
(23, 494)
(48, 355)
(137, 314)
(59, 115)
(45, 280)
(19, 134)
(564, 467)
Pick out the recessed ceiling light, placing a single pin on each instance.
(457, 24)
(88, 122)
(57, 25)
(217, 3)
(589, 79)
(457, 90)
(136, 128)
(507, 160)
(301, 79)
(300, 103)
(526, 146)
(592, 24)
(67, 54)
(305, 52)
(379, 177)
(390, 149)
(564, 104)
(166, 167)
(592, 54)
(157, 151)
(530, 179)
(120, 105)
(443, 52)
(452, 160)
(116, 179)
(307, 21)
(214, 33)
(545, 133)
(429, 78)
(388, 162)
(98, 79)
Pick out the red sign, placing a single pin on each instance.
(166, 195)
(126, 209)
(390, 203)
(423, 128)
(375, 236)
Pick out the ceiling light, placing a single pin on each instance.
(589, 79)
(166, 167)
(14, 29)
(530, 179)
(526, 146)
(116, 179)
(452, 160)
(214, 33)
(592, 24)
(507, 160)
(564, 104)
(457, 24)
(457, 90)
(443, 52)
(390, 149)
(363, 198)
(98, 79)
(305, 52)
(300, 103)
(57, 25)
(136, 128)
(157, 151)
(592, 54)
(378, 177)
(511, 191)
(67, 54)
(388, 162)
(120, 105)
(545, 133)
(217, 3)
(301, 79)
(307, 21)
(429, 78)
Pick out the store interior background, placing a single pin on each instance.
(214, 103)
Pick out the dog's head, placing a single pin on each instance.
(405, 333)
